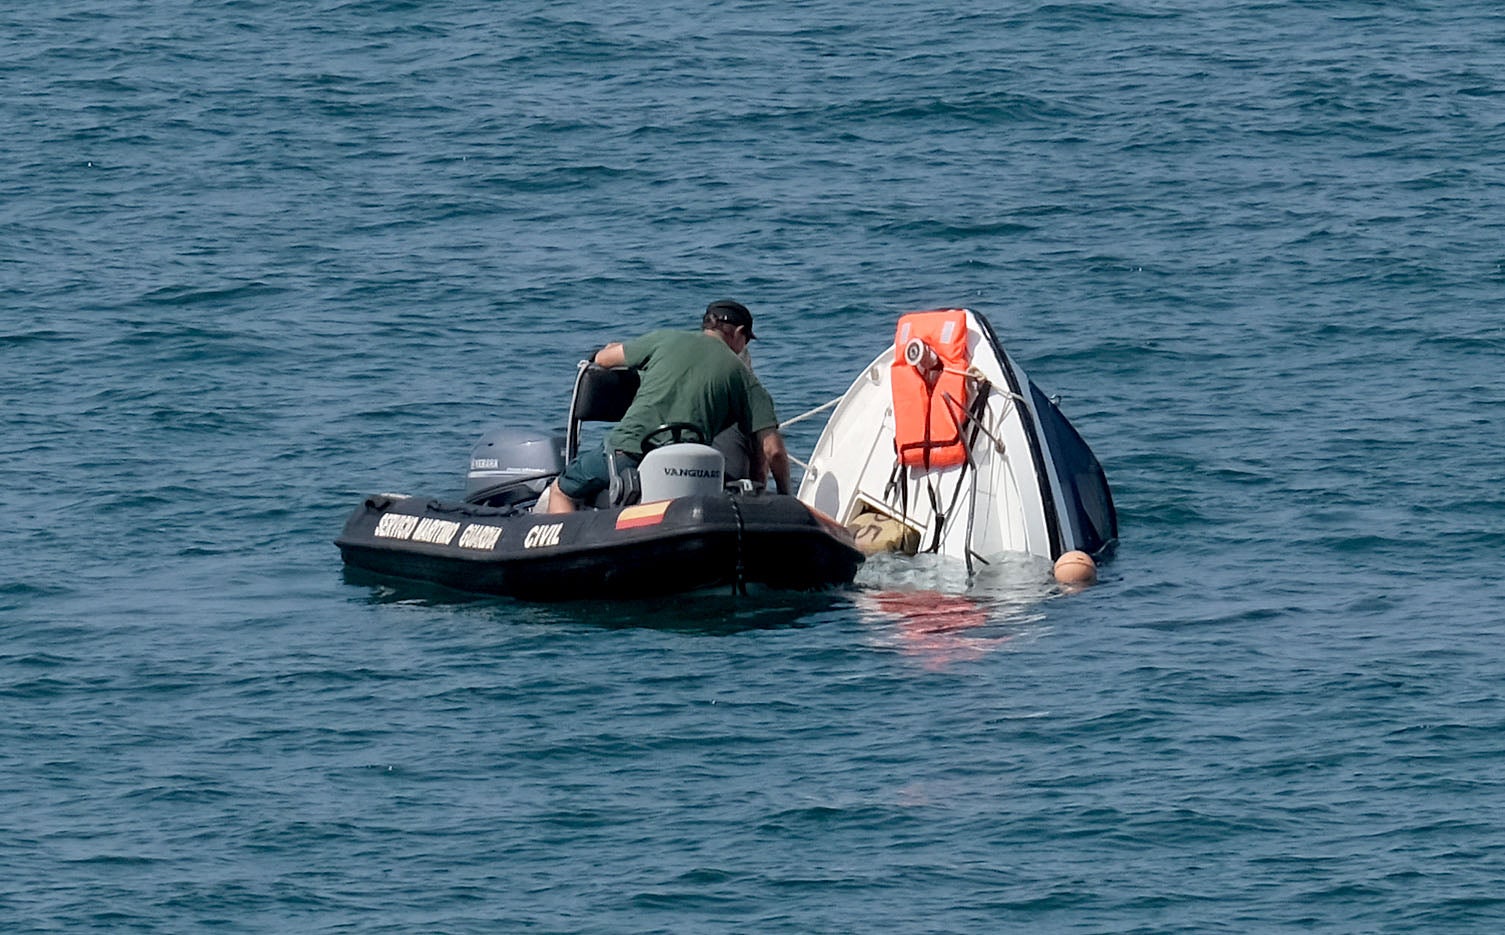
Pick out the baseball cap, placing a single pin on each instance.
(733, 313)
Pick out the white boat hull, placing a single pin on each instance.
(1029, 483)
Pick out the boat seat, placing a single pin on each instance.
(602, 394)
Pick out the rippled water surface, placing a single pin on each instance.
(261, 259)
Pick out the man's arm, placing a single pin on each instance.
(775, 457)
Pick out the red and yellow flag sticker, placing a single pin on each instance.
(644, 514)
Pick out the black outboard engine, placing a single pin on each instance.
(512, 467)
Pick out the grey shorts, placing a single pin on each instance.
(586, 476)
(590, 473)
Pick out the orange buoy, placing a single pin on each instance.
(1076, 569)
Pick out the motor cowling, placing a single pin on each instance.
(682, 470)
(512, 466)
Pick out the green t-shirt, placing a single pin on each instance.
(689, 376)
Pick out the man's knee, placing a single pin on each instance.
(585, 477)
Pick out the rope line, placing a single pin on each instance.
(816, 411)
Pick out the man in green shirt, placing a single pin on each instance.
(684, 376)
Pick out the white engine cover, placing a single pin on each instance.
(682, 470)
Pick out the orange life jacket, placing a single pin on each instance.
(928, 426)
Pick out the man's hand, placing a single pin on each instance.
(612, 355)
(774, 457)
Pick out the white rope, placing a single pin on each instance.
(805, 415)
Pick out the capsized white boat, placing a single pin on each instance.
(944, 436)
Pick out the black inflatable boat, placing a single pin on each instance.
(678, 521)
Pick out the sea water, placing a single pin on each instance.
(261, 259)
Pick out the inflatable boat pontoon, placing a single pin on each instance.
(672, 524)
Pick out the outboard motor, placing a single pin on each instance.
(682, 470)
(511, 467)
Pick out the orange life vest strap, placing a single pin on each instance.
(928, 428)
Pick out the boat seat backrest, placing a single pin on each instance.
(602, 394)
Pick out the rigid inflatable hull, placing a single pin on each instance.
(671, 546)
